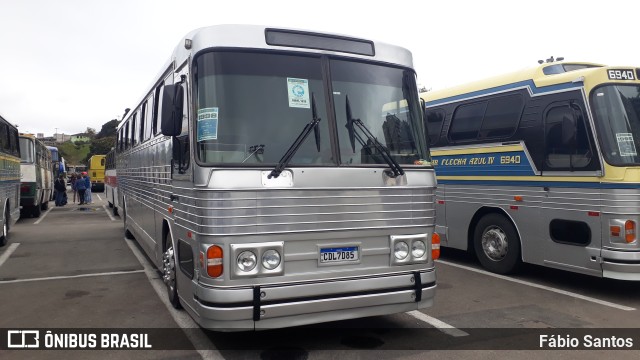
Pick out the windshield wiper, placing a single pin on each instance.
(313, 125)
(396, 170)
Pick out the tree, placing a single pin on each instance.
(91, 132)
(101, 146)
(108, 129)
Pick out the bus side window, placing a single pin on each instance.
(433, 122)
(466, 121)
(141, 128)
(566, 139)
(4, 138)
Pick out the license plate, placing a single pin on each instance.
(339, 254)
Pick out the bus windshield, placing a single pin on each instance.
(252, 106)
(26, 150)
(617, 115)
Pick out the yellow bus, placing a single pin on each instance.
(96, 172)
(541, 166)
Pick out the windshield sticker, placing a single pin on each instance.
(626, 145)
(298, 90)
(208, 124)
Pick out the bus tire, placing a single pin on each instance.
(497, 244)
(169, 272)
(5, 228)
(36, 210)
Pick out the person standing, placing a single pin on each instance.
(60, 187)
(87, 183)
(73, 186)
(81, 187)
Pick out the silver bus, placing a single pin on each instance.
(258, 175)
(9, 177)
(36, 175)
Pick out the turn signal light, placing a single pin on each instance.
(615, 230)
(214, 261)
(630, 231)
(435, 246)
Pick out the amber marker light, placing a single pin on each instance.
(517, 198)
(630, 231)
(170, 209)
(214, 261)
(435, 246)
(615, 230)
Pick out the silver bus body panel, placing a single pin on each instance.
(617, 260)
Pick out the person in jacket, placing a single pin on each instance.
(81, 187)
(87, 194)
(61, 188)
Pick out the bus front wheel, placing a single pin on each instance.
(169, 272)
(497, 244)
(5, 228)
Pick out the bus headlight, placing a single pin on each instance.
(418, 248)
(409, 249)
(257, 259)
(270, 259)
(247, 261)
(401, 250)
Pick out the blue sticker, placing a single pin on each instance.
(208, 124)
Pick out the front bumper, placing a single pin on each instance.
(237, 309)
(622, 265)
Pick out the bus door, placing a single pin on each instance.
(571, 203)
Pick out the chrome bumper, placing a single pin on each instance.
(237, 309)
(621, 265)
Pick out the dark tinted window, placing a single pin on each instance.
(466, 121)
(126, 135)
(142, 122)
(566, 139)
(4, 138)
(502, 116)
(570, 232)
(134, 127)
(434, 119)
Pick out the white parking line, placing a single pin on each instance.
(42, 216)
(71, 276)
(440, 325)
(543, 287)
(108, 213)
(198, 339)
(8, 252)
(99, 197)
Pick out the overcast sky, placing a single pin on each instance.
(73, 64)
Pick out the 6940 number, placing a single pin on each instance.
(622, 74)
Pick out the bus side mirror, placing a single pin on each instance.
(172, 100)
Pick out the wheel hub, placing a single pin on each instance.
(495, 243)
(169, 268)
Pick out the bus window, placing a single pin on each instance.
(502, 116)
(434, 120)
(566, 140)
(466, 121)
